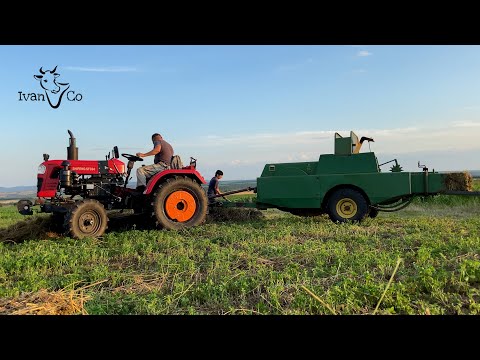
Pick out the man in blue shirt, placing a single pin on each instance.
(213, 186)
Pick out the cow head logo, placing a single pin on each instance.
(48, 82)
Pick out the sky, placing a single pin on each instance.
(238, 107)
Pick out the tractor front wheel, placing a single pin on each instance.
(179, 203)
(347, 205)
(87, 218)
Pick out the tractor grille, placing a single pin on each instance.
(39, 184)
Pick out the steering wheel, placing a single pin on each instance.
(132, 157)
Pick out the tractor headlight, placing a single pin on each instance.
(41, 169)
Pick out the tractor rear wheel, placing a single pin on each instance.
(179, 203)
(347, 205)
(87, 218)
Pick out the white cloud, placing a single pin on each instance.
(246, 154)
(465, 123)
(452, 146)
(262, 140)
(302, 156)
(238, 162)
(102, 68)
(448, 146)
(363, 53)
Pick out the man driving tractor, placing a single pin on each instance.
(163, 152)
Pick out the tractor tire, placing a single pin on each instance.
(87, 218)
(347, 205)
(24, 207)
(179, 203)
(306, 212)
(373, 213)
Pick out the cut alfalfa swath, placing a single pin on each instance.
(29, 229)
(219, 214)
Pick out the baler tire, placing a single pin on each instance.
(87, 218)
(179, 203)
(347, 204)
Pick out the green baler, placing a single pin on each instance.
(347, 185)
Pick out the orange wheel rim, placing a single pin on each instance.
(180, 206)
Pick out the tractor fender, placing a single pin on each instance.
(159, 177)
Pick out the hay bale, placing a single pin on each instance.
(42, 302)
(219, 214)
(31, 228)
(462, 181)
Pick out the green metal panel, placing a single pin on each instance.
(343, 146)
(436, 183)
(290, 191)
(309, 191)
(327, 164)
(290, 169)
(342, 164)
(378, 187)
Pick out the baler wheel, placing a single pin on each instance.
(87, 218)
(347, 205)
(179, 203)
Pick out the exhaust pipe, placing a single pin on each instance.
(72, 149)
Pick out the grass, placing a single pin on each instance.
(422, 260)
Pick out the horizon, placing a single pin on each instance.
(239, 107)
(476, 175)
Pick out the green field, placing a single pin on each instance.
(275, 264)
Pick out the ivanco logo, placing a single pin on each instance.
(54, 90)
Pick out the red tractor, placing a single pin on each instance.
(80, 193)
